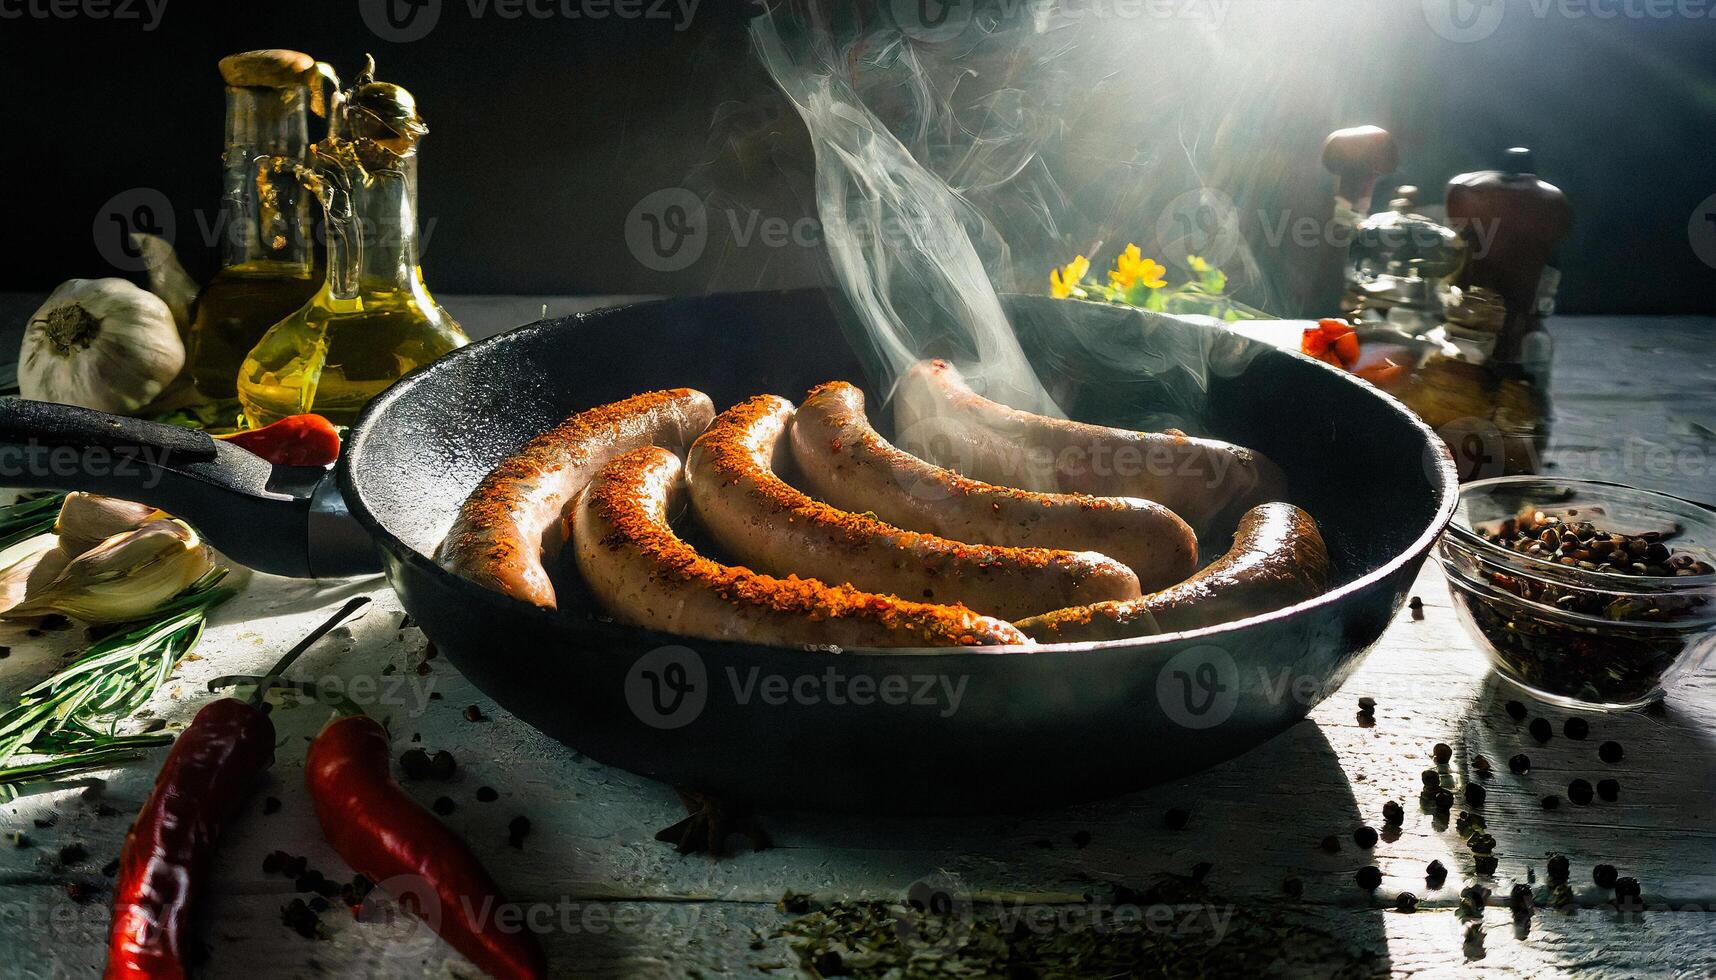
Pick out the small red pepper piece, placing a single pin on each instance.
(167, 853)
(297, 440)
(1332, 341)
(389, 838)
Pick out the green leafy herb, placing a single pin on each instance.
(71, 720)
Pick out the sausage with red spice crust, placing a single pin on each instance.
(844, 461)
(1207, 482)
(511, 523)
(1278, 558)
(643, 574)
(755, 515)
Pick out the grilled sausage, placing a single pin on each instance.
(511, 523)
(1278, 558)
(645, 575)
(844, 461)
(765, 523)
(1209, 483)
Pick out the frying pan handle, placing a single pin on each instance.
(260, 515)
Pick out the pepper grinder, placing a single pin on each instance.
(1512, 222)
(1358, 157)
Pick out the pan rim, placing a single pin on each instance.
(1446, 485)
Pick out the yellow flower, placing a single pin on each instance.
(1198, 264)
(1131, 267)
(1062, 281)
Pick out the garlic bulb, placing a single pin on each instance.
(167, 278)
(100, 343)
(123, 578)
(88, 519)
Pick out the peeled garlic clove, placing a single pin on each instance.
(88, 519)
(125, 577)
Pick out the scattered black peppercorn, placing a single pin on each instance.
(1610, 752)
(473, 713)
(1293, 887)
(1485, 864)
(1175, 819)
(1367, 704)
(270, 804)
(1393, 814)
(443, 805)
(272, 861)
(1481, 842)
(1604, 875)
(1431, 778)
(442, 765)
(1417, 607)
(415, 764)
(1520, 764)
(318, 905)
(1576, 729)
(309, 881)
(1475, 794)
(296, 915)
(1551, 802)
(1331, 844)
(1365, 837)
(1627, 888)
(1435, 874)
(1441, 752)
(487, 794)
(5, 652)
(79, 892)
(829, 964)
(111, 868)
(1541, 730)
(295, 866)
(517, 831)
(1481, 763)
(73, 854)
(1444, 801)
(1579, 791)
(1520, 901)
(1369, 878)
(1558, 868)
(1609, 790)
(1406, 902)
(1516, 710)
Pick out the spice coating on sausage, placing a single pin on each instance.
(770, 525)
(1278, 558)
(844, 461)
(510, 525)
(645, 575)
(1205, 481)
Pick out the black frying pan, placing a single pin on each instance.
(914, 731)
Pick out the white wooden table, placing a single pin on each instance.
(622, 904)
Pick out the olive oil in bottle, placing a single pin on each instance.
(373, 319)
(267, 268)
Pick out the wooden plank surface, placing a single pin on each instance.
(637, 908)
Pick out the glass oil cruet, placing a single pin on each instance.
(373, 319)
(267, 259)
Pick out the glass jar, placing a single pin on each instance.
(267, 259)
(373, 319)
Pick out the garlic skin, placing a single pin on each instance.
(88, 519)
(125, 577)
(100, 343)
(167, 278)
(32, 563)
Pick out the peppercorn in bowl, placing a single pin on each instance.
(1588, 594)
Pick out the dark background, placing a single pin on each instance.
(545, 132)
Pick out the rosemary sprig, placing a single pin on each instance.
(72, 719)
(28, 518)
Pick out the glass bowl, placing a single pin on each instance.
(1572, 632)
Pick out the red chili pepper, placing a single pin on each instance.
(389, 838)
(297, 440)
(206, 777)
